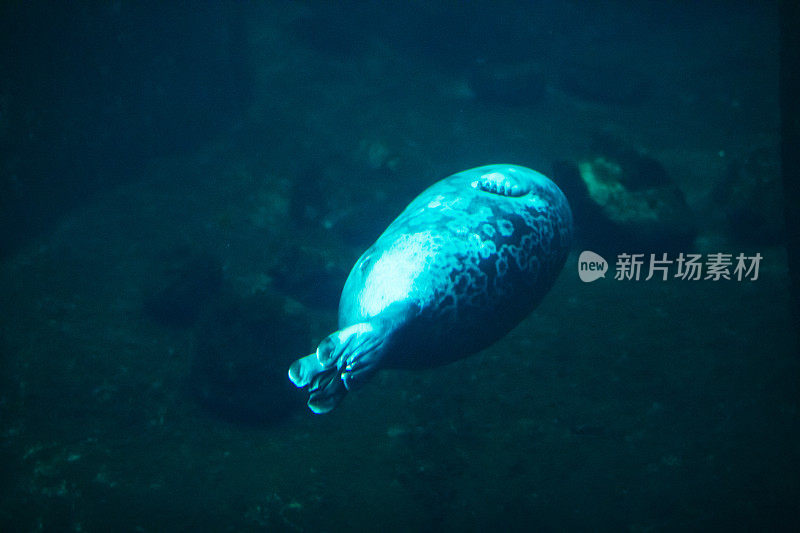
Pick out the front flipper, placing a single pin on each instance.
(343, 361)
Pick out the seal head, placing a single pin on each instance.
(461, 266)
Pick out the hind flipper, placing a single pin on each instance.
(324, 386)
(344, 360)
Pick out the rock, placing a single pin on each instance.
(337, 28)
(309, 277)
(604, 83)
(624, 201)
(751, 197)
(329, 197)
(183, 282)
(510, 84)
(244, 346)
(376, 155)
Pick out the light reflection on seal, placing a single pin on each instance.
(463, 264)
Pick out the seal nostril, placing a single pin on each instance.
(501, 184)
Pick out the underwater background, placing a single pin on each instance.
(185, 186)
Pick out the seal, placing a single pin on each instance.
(462, 265)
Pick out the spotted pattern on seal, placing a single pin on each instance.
(480, 247)
(465, 262)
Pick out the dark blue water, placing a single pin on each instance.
(184, 188)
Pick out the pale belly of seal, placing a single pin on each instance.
(461, 266)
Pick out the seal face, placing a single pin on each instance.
(460, 267)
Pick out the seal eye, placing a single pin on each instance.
(501, 184)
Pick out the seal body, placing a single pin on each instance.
(461, 266)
